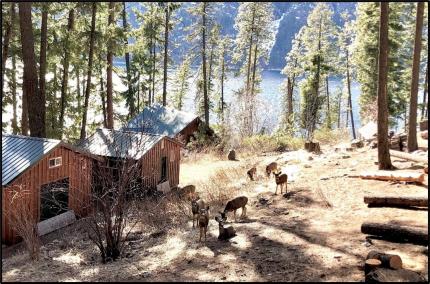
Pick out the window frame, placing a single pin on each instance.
(58, 162)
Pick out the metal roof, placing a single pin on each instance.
(119, 143)
(21, 152)
(161, 120)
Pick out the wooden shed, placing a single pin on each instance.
(41, 167)
(159, 155)
(163, 120)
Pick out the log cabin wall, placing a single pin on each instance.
(75, 166)
(188, 131)
(151, 161)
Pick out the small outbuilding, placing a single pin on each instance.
(158, 155)
(55, 175)
(163, 120)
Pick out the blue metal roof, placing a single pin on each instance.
(161, 120)
(119, 143)
(21, 152)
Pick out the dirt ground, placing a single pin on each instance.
(310, 234)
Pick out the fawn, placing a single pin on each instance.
(196, 205)
(280, 179)
(233, 205)
(203, 221)
(272, 167)
(225, 233)
(252, 172)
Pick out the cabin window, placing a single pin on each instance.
(163, 168)
(54, 199)
(55, 162)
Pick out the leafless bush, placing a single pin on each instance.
(21, 219)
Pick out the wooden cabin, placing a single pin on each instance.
(43, 168)
(163, 120)
(159, 155)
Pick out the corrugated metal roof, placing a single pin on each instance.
(119, 143)
(161, 120)
(21, 152)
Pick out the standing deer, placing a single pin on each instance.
(196, 205)
(233, 205)
(280, 179)
(272, 167)
(252, 172)
(203, 221)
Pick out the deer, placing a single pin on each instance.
(233, 205)
(196, 205)
(281, 179)
(252, 172)
(225, 233)
(203, 221)
(272, 167)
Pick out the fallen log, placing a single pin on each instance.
(408, 156)
(390, 275)
(396, 232)
(392, 261)
(396, 201)
(371, 264)
(393, 175)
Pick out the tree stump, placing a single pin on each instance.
(387, 260)
(232, 155)
(371, 264)
(311, 146)
(390, 275)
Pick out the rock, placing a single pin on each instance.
(324, 178)
(310, 158)
(145, 274)
(356, 143)
(263, 200)
(232, 155)
(307, 166)
(346, 156)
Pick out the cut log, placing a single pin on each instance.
(311, 146)
(396, 232)
(407, 156)
(392, 261)
(390, 275)
(393, 175)
(396, 201)
(371, 264)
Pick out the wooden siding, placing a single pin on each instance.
(75, 166)
(151, 161)
(188, 131)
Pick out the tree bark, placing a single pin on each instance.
(109, 91)
(371, 264)
(8, 35)
(252, 99)
(64, 83)
(412, 129)
(36, 107)
(328, 103)
(396, 201)
(396, 232)
(392, 261)
(42, 57)
(390, 275)
(15, 128)
(102, 95)
(348, 79)
(127, 64)
(205, 87)
(424, 106)
(166, 41)
(383, 147)
(222, 85)
(289, 101)
(153, 69)
(90, 66)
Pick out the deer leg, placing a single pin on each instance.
(194, 219)
(200, 239)
(276, 191)
(205, 233)
(235, 215)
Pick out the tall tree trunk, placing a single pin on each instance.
(138, 93)
(127, 64)
(328, 104)
(424, 107)
(205, 87)
(383, 149)
(15, 128)
(348, 80)
(254, 69)
(78, 87)
(102, 95)
(222, 86)
(150, 73)
(64, 83)
(8, 35)
(289, 101)
(42, 57)
(248, 76)
(36, 104)
(412, 130)
(109, 91)
(153, 70)
(338, 110)
(166, 42)
(90, 67)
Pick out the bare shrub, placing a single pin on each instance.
(330, 137)
(21, 218)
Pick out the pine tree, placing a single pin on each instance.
(181, 84)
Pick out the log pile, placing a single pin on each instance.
(396, 201)
(396, 233)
